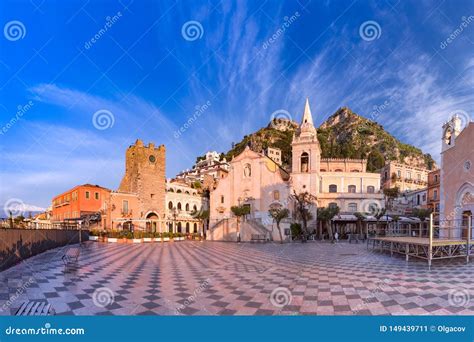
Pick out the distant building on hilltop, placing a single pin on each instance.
(211, 165)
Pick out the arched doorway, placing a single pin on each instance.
(465, 208)
(127, 226)
(195, 228)
(179, 227)
(152, 224)
(187, 227)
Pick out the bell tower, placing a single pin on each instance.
(306, 156)
(145, 176)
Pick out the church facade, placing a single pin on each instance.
(457, 177)
(260, 183)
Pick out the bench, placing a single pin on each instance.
(258, 237)
(35, 309)
(71, 255)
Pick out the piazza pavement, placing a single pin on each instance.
(219, 278)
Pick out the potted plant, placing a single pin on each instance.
(157, 237)
(112, 236)
(147, 237)
(94, 235)
(137, 237)
(166, 236)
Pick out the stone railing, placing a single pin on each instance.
(20, 244)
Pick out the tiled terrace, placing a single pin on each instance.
(213, 278)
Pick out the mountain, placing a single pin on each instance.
(343, 135)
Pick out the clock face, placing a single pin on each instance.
(152, 158)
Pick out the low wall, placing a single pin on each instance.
(19, 244)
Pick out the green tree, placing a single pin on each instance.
(390, 194)
(304, 201)
(326, 215)
(375, 161)
(278, 214)
(240, 211)
(202, 216)
(422, 214)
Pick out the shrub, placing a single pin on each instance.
(296, 230)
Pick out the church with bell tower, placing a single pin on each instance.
(306, 156)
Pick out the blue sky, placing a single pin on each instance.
(245, 60)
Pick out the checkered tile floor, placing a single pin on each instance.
(216, 278)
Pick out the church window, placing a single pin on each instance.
(194, 207)
(304, 162)
(187, 206)
(179, 205)
(170, 205)
(352, 207)
(352, 189)
(338, 170)
(370, 189)
(222, 198)
(125, 207)
(276, 195)
(333, 188)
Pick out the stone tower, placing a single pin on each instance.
(306, 156)
(145, 168)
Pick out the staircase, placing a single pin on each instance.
(259, 228)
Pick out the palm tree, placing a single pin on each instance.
(378, 215)
(326, 215)
(278, 214)
(202, 216)
(303, 201)
(360, 218)
(239, 211)
(422, 214)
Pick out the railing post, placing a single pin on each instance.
(468, 242)
(430, 247)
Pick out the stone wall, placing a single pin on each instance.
(19, 244)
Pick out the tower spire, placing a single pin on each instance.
(307, 117)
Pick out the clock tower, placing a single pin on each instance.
(145, 176)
